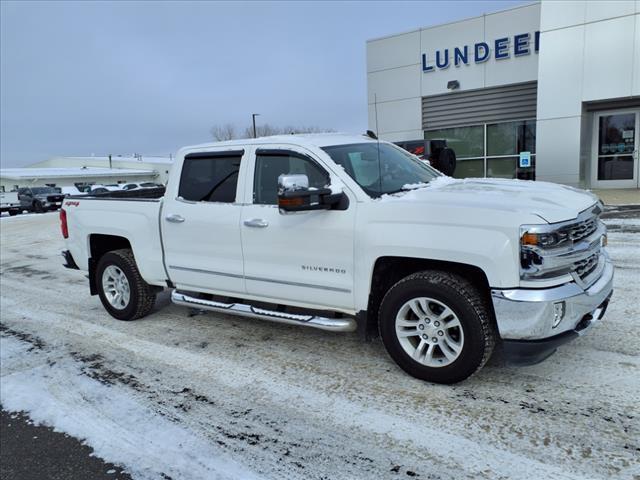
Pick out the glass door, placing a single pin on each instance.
(615, 149)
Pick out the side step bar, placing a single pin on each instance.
(243, 310)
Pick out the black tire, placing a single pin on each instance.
(142, 296)
(38, 207)
(467, 304)
(13, 213)
(446, 161)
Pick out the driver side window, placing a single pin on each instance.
(269, 166)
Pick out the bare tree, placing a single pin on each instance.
(224, 132)
(228, 131)
(266, 130)
(263, 130)
(310, 129)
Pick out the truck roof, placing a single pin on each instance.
(303, 140)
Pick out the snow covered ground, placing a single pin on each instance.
(211, 396)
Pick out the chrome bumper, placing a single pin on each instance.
(530, 314)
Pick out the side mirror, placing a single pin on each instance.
(294, 195)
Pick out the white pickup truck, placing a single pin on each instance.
(9, 202)
(345, 232)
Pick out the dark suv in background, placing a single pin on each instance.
(436, 152)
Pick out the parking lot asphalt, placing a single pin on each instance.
(32, 452)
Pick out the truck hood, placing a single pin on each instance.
(549, 201)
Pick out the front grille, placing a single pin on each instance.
(578, 231)
(55, 198)
(585, 267)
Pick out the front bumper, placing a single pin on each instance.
(528, 319)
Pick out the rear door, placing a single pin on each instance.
(303, 257)
(201, 224)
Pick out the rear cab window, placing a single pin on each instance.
(210, 176)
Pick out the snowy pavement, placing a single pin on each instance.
(217, 397)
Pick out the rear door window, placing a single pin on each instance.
(210, 177)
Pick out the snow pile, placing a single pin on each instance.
(109, 419)
(438, 182)
(409, 188)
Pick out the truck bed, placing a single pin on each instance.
(135, 194)
(111, 218)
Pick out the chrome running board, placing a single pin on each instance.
(243, 310)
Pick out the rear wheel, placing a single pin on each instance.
(122, 290)
(436, 326)
(13, 213)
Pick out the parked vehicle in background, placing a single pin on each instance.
(133, 186)
(68, 191)
(341, 232)
(9, 202)
(417, 147)
(435, 152)
(40, 199)
(104, 188)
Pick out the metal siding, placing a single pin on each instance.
(487, 105)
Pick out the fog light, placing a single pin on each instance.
(558, 313)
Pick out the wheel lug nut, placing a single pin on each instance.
(425, 336)
(421, 327)
(437, 324)
(435, 339)
(440, 332)
(427, 321)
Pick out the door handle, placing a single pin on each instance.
(174, 218)
(256, 223)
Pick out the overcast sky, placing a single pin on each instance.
(119, 77)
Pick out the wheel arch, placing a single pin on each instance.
(388, 270)
(99, 244)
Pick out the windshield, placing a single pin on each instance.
(42, 190)
(395, 169)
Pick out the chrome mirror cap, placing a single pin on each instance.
(292, 183)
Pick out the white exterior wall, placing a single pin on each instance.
(395, 76)
(590, 50)
(162, 166)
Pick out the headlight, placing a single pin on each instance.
(544, 240)
(537, 245)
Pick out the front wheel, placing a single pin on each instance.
(38, 207)
(436, 326)
(122, 290)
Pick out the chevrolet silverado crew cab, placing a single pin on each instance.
(347, 233)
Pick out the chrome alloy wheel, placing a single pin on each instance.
(429, 332)
(116, 287)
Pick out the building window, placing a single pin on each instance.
(491, 150)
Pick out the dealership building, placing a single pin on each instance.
(547, 91)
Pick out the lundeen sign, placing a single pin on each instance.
(480, 52)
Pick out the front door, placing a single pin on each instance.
(304, 256)
(615, 162)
